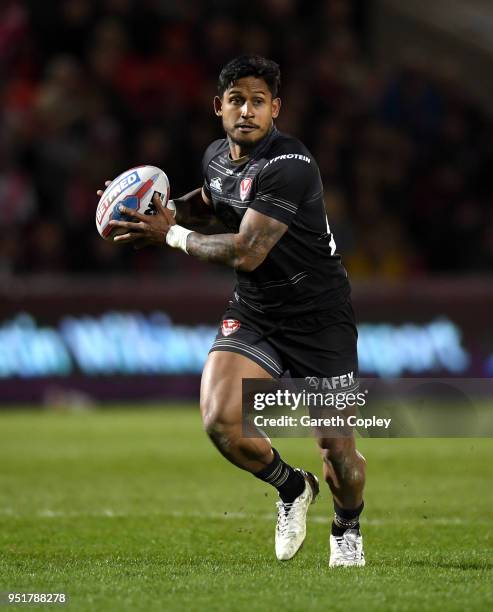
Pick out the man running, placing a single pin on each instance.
(291, 308)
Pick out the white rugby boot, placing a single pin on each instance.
(291, 519)
(347, 550)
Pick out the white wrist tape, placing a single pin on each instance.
(172, 207)
(177, 237)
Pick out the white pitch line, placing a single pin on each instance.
(109, 513)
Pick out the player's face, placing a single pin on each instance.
(247, 110)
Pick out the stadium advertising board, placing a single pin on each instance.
(114, 348)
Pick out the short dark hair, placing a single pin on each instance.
(250, 65)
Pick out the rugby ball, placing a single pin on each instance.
(134, 189)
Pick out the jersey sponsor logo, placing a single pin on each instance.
(119, 188)
(304, 158)
(312, 381)
(245, 188)
(229, 326)
(217, 184)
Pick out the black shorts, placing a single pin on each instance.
(322, 344)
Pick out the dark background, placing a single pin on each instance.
(91, 88)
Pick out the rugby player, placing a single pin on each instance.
(291, 309)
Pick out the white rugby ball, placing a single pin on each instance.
(134, 189)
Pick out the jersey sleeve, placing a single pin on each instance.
(206, 189)
(211, 151)
(282, 185)
(205, 164)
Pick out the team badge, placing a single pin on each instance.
(230, 326)
(245, 188)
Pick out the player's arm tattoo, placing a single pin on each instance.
(243, 251)
(193, 211)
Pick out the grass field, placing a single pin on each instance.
(135, 510)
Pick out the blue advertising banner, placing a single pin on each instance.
(116, 347)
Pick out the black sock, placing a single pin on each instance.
(345, 519)
(289, 482)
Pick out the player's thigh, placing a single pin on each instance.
(221, 387)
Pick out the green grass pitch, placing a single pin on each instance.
(128, 509)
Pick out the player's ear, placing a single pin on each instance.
(218, 106)
(276, 107)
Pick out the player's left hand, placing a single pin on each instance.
(145, 230)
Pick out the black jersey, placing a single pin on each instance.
(302, 273)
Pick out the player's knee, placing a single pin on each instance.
(216, 428)
(218, 434)
(212, 422)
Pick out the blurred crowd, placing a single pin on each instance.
(90, 88)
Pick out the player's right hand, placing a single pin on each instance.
(144, 229)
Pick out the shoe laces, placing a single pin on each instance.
(287, 517)
(348, 543)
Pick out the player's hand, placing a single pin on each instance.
(145, 230)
